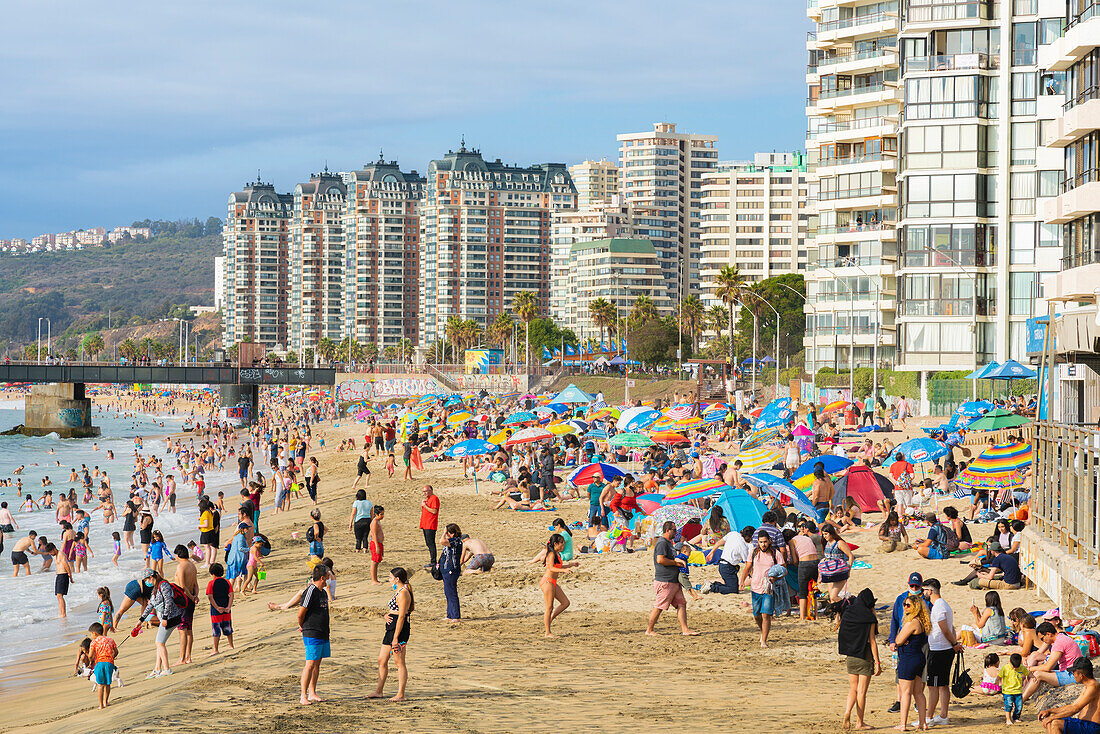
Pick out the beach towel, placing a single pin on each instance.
(536, 509)
(417, 460)
(861, 565)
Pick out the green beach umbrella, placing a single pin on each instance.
(997, 419)
(632, 440)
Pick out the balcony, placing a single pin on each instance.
(935, 12)
(881, 161)
(1074, 203)
(875, 23)
(853, 61)
(1078, 40)
(952, 62)
(856, 129)
(1079, 281)
(855, 96)
(1080, 116)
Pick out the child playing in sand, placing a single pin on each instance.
(991, 671)
(1012, 687)
(83, 667)
(106, 610)
(389, 464)
(103, 652)
(252, 581)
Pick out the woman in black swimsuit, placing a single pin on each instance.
(397, 634)
(129, 525)
(145, 534)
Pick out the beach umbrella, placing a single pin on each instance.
(584, 475)
(599, 434)
(761, 457)
(1010, 370)
(1005, 456)
(573, 395)
(919, 450)
(773, 420)
(649, 503)
(500, 437)
(683, 410)
(741, 508)
(529, 435)
(688, 423)
(834, 406)
(457, 419)
(997, 419)
(523, 416)
(631, 440)
(778, 487)
(667, 436)
(471, 447)
(711, 418)
(974, 408)
(455, 399)
(604, 412)
(637, 419)
(561, 429)
(833, 465)
(801, 430)
(679, 514)
(693, 490)
(981, 372)
(759, 438)
(662, 424)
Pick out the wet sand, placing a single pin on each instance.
(494, 671)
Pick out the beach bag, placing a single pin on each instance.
(831, 568)
(905, 481)
(417, 461)
(265, 544)
(960, 679)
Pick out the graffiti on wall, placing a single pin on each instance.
(397, 387)
(72, 417)
(497, 383)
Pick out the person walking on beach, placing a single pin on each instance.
(396, 639)
(666, 581)
(429, 521)
(942, 646)
(857, 639)
(551, 590)
(186, 578)
(762, 579)
(313, 623)
(62, 577)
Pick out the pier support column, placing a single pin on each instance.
(240, 403)
(59, 408)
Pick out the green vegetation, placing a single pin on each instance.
(136, 282)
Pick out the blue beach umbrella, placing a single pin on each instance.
(833, 465)
(778, 487)
(471, 447)
(573, 394)
(637, 421)
(919, 450)
(974, 408)
(523, 416)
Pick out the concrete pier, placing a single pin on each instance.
(59, 408)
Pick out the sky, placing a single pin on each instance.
(112, 112)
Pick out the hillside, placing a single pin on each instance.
(136, 282)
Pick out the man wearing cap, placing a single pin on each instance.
(1056, 670)
(943, 643)
(1008, 566)
(1083, 715)
(896, 617)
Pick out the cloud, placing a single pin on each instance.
(164, 100)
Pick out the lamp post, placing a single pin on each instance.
(49, 327)
(851, 333)
(776, 312)
(754, 333)
(973, 309)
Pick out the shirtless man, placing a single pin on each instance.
(62, 577)
(476, 556)
(187, 578)
(1083, 715)
(19, 553)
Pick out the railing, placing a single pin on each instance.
(855, 124)
(855, 21)
(1065, 503)
(867, 89)
(927, 12)
(852, 160)
(851, 193)
(851, 56)
(952, 62)
(1085, 95)
(845, 228)
(1089, 175)
(1081, 257)
(1090, 11)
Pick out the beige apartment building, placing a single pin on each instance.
(603, 219)
(596, 181)
(316, 261)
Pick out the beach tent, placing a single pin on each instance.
(864, 486)
(741, 509)
(572, 395)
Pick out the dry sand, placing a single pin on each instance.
(494, 672)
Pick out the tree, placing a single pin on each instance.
(92, 345)
(653, 342)
(730, 285)
(129, 349)
(716, 319)
(718, 347)
(326, 348)
(500, 331)
(525, 305)
(604, 315)
(545, 333)
(690, 318)
(776, 292)
(146, 347)
(307, 355)
(292, 357)
(643, 311)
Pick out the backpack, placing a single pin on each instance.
(179, 597)
(960, 679)
(948, 538)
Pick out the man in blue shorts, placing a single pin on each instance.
(314, 626)
(1083, 715)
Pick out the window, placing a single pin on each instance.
(1023, 44)
(1022, 243)
(1021, 294)
(1023, 193)
(946, 195)
(1025, 7)
(1024, 92)
(1023, 143)
(1049, 183)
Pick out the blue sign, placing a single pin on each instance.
(1036, 334)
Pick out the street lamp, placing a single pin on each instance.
(851, 332)
(776, 312)
(973, 309)
(813, 312)
(49, 327)
(754, 333)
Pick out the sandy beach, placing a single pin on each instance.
(493, 672)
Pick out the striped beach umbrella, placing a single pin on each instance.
(759, 438)
(584, 475)
(684, 410)
(529, 435)
(667, 437)
(1002, 457)
(457, 419)
(637, 419)
(631, 440)
(834, 406)
(693, 490)
(761, 457)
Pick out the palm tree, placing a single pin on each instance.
(326, 349)
(453, 332)
(500, 331)
(716, 319)
(643, 311)
(525, 305)
(718, 347)
(471, 332)
(128, 349)
(691, 318)
(731, 285)
(146, 347)
(390, 353)
(598, 310)
(93, 345)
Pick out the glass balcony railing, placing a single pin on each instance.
(858, 227)
(826, 62)
(1090, 175)
(925, 12)
(855, 21)
(866, 89)
(1089, 11)
(952, 62)
(854, 159)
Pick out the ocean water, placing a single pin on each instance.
(28, 607)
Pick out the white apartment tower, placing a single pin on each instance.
(255, 241)
(316, 265)
(754, 218)
(662, 177)
(602, 219)
(596, 181)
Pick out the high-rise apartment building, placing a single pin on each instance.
(852, 143)
(617, 270)
(603, 219)
(662, 174)
(1073, 65)
(255, 240)
(382, 259)
(754, 218)
(316, 263)
(596, 181)
(924, 116)
(485, 236)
